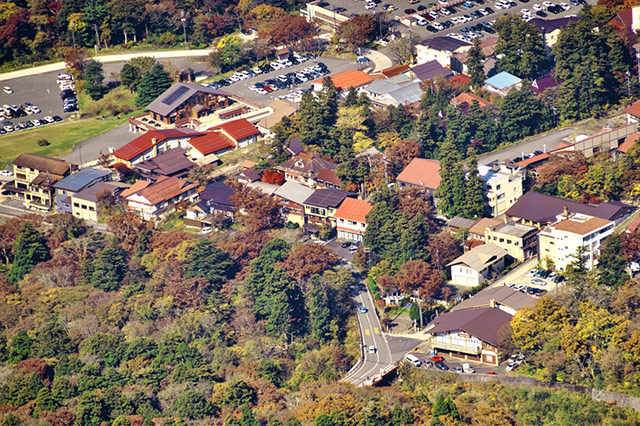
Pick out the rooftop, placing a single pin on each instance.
(431, 69)
(581, 224)
(484, 323)
(515, 229)
(549, 25)
(238, 129)
(166, 189)
(381, 87)
(460, 222)
(307, 164)
(503, 80)
(539, 85)
(167, 163)
(407, 94)
(76, 181)
(294, 191)
(353, 209)
(91, 193)
(629, 142)
(176, 95)
(146, 141)
(480, 257)
(350, 78)
(500, 294)
(422, 172)
(445, 43)
(468, 98)
(326, 197)
(481, 225)
(394, 70)
(633, 109)
(211, 142)
(43, 163)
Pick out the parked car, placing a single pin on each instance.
(8, 90)
(437, 358)
(442, 366)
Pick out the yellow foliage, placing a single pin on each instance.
(7, 9)
(345, 403)
(387, 139)
(361, 142)
(228, 39)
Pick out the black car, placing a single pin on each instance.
(542, 13)
(441, 366)
(421, 7)
(57, 118)
(67, 93)
(488, 28)
(346, 245)
(489, 10)
(339, 9)
(555, 9)
(431, 28)
(447, 24)
(452, 9)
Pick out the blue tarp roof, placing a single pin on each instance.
(503, 80)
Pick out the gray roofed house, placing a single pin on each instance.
(293, 191)
(74, 183)
(502, 297)
(502, 82)
(444, 43)
(405, 95)
(477, 265)
(430, 70)
(456, 223)
(172, 162)
(380, 87)
(295, 146)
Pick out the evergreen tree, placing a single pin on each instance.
(445, 407)
(611, 265)
(414, 235)
(520, 47)
(282, 131)
(44, 402)
(208, 261)
(130, 77)
(475, 64)
(310, 121)
(475, 202)
(52, 342)
(20, 348)
(319, 310)
(247, 419)
(430, 132)
(352, 98)
(152, 85)
(108, 268)
(522, 115)
(94, 76)
(451, 190)
(30, 249)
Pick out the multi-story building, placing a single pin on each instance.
(351, 219)
(309, 170)
(35, 176)
(520, 241)
(292, 196)
(560, 241)
(152, 201)
(86, 205)
(503, 185)
(75, 183)
(321, 206)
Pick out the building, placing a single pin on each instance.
(519, 240)
(502, 83)
(292, 196)
(551, 28)
(316, 12)
(346, 80)
(477, 230)
(279, 108)
(477, 265)
(440, 49)
(633, 113)
(628, 143)
(207, 149)
(402, 96)
(559, 241)
(430, 70)
(467, 98)
(488, 47)
(35, 177)
(214, 198)
(539, 85)
(172, 162)
(153, 143)
(502, 297)
(321, 206)
(184, 103)
(85, 203)
(420, 172)
(537, 209)
(457, 223)
(469, 334)
(306, 169)
(155, 200)
(74, 183)
(627, 20)
(351, 219)
(240, 131)
(503, 183)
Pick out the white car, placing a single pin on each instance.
(536, 7)
(445, 12)
(525, 11)
(9, 128)
(370, 6)
(36, 123)
(564, 6)
(547, 4)
(433, 14)
(8, 90)
(6, 173)
(49, 119)
(206, 230)
(438, 26)
(35, 110)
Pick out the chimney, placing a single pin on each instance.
(154, 141)
(566, 211)
(492, 303)
(505, 220)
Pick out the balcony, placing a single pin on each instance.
(456, 348)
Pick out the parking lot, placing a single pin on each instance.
(454, 365)
(241, 88)
(459, 11)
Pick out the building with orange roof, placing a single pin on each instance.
(420, 172)
(351, 219)
(241, 131)
(211, 144)
(467, 98)
(559, 242)
(151, 143)
(633, 113)
(153, 201)
(345, 80)
(628, 143)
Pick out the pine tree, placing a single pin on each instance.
(108, 267)
(30, 249)
(611, 264)
(208, 261)
(431, 133)
(129, 77)
(319, 311)
(152, 85)
(475, 64)
(475, 203)
(94, 76)
(310, 121)
(282, 131)
(451, 191)
(352, 98)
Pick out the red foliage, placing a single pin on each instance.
(273, 176)
(289, 29)
(38, 366)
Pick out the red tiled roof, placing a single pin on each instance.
(460, 78)
(211, 142)
(628, 142)
(137, 186)
(468, 98)
(634, 109)
(145, 142)
(353, 209)
(394, 70)
(238, 129)
(350, 78)
(166, 189)
(536, 158)
(421, 172)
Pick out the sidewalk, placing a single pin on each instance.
(121, 57)
(380, 60)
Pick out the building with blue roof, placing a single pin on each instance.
(75, 183)
(502, 82)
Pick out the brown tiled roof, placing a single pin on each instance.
(468, 98)
(581, 227)
(483, 323)
(43, 163)
(353, 209)
(329, 175)
(394, 70)
(422, 172)
(211, 142)
(166, 189)
(307, 164)
(350, 78)
(628, 142)
(633, 109)
(137, 186)
(481, 224)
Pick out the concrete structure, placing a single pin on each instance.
(34, 179)
(153, 201)
(85, 205)
(440, 49)
(520, 241)
(502, 297)
(74, 183)
(325, 17)
(559, 242)
(503, 184)
(477, 265)
(351, 219)
(321, 206)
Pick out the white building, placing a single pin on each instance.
(559, 242)
(477, 265)
(503, 185)
(351, 221)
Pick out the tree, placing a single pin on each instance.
(475, 64)
(44, 402)
(30, 249)
(291, 28)
(520, 47)
(319, 310)
(521, 115)
(108, 268)
(130, 77)
(431, 133)
(612, 265)
(154, 83)
(307, 260)
(357, 31)
(445, 407)
(475, 205)
(192, 405)
(417, 277)
(451, 190)
(208, 261)
(20, 348)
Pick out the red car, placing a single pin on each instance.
(493, 373)
(437, 358)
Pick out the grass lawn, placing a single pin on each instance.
(61, 136)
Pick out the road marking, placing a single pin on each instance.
(367, 332)
(375, 330)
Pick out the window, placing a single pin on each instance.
(497, 187)
(76, 205)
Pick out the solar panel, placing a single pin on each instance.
(171, 98)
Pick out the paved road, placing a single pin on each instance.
(90, 149)
(542, 143)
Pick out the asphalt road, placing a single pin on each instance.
(542, 143)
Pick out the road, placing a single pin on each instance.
(543, 143)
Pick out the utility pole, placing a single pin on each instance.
(184, 30)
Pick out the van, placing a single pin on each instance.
(413, 360)
(372, 349)
(420, 20)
